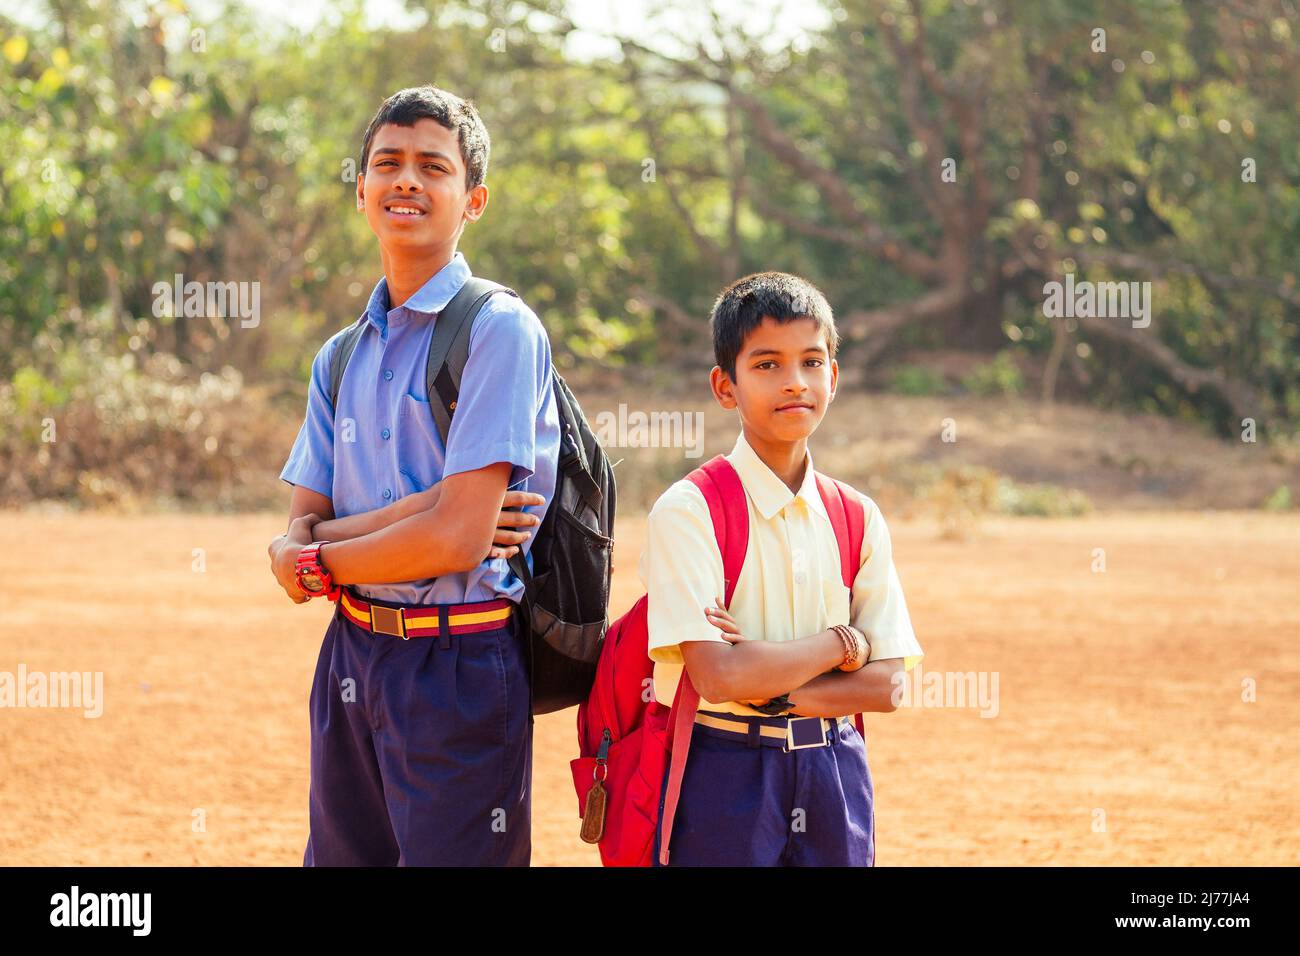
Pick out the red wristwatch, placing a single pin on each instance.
(313, 578)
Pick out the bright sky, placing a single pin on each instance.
(651, 20)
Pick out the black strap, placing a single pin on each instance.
(342, 353)
(449, 348)
(572, 460)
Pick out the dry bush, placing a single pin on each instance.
(128, 431)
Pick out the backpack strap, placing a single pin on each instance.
(449, 348)
(573, 462)
(443, 370)
(849, 521)
(725, 495)
(721, 487)
(342, 353)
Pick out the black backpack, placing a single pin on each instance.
(567, 594)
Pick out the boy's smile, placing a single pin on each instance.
(785, 378)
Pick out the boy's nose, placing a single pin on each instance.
(407, 180)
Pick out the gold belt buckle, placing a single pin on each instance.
(388, 620)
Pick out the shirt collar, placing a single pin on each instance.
(769, 492)
(430, 299)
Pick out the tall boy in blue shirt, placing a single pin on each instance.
(421, 732)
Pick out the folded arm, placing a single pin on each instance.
(757, 670)
(868, 690)
(454, 535)
(367, 522)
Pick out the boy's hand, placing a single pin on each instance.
(726, 624)
(299, 533)
(283, 552)
(720, 618)
(505, 542)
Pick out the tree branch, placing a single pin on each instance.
(876, 328)
(1240, 398)
(1136, 262)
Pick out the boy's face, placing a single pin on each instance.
(785, 378)
(417, 168)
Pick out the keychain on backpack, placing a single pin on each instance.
(593, 810)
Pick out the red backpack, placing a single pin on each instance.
(627, 739)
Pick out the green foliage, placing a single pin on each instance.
(136, 149)
(999, 377)
(1040, 500)
(917, 380)
(33, 391)
(961, 496)
(1279, 500)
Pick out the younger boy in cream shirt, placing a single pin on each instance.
(745, 800)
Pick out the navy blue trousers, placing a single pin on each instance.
(421, 755)
(745, 802)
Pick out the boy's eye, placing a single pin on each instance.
(771, 363)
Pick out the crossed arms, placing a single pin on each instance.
(448, 528)
(751, 670)
(458, 522)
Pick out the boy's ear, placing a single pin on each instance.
(835, 378)
(723, 387)
(361, 190)
(478, 200)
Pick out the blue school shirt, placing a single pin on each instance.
(382, 443)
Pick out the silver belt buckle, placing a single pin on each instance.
(801, 731)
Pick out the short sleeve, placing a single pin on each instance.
(681, 568)
(311, 461)
(502, 391)
(879, 609)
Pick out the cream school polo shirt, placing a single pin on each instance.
(790, 585)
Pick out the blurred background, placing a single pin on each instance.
(931, 164)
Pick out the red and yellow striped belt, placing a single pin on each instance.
(434, 620)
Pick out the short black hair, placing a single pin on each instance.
(406, 107)
(741, 306)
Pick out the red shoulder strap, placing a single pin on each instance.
(849, 521)
(721, 487)
(725, 495)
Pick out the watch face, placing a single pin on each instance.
(310, 582)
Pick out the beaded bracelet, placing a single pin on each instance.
(849, 636)
(850, 645)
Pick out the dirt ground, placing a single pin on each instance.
(1121, 734)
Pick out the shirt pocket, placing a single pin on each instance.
(835, 602)
(419, 449)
